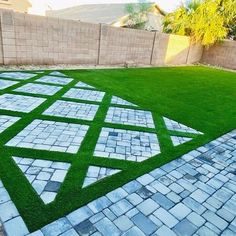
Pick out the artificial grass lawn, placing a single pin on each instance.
(199, 97)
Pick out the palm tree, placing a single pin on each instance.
(206, 21)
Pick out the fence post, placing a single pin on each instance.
(153, 46)
(99, 43)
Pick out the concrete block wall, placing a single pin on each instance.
(222, 54)
(120, 45)
(29, 39)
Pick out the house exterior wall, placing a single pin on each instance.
(16, 5)
(28, 39)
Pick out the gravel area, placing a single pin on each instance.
(54, 67)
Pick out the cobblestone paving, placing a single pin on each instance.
(54, 80)
(175, 126)
(57, 73)
(193, 195)
(84, 85)
(176, 140)
(72, 110)
(45, 177)
(7, 121)
(50, 135)
(117, 115)
(96, 173)
(126, 145)
(39, 89)
(1, 230)
(6, 83)
(82, 94)
(119, 101)
(9, 215)
(17, 75)
(19, 103)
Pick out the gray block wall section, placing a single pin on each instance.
(29, 39)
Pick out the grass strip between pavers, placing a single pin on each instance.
(170, 92)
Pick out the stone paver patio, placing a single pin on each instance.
(193, 195)
(50, 135)
(54, 80)
(19, 103)
(7, 121)
(45, 176)
(126, 145)
(117, 115)
(119, 101)
(72, 110)
(38, 89)
(6, 83)
(82, 94)
(17, 75)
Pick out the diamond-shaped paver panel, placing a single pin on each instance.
(119, 101)
(95, 173)
(51, 136)
(19, 103)
(17, 75)
(84, 85)
(82, 94)
(176, 126)
(7, 121)
(72, 110)
(45, 177)
(57, 73)
(177, 140)
(54, 80)
(117, 115)
(39, 89)
(126, 145)
(6, 83)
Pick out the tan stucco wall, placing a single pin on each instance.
(16, 5)
(222, 54)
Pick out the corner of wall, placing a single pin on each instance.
(8, 37)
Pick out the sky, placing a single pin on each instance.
(39, 7)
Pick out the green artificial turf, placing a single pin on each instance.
(199, 97)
